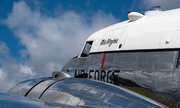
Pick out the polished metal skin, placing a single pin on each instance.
(60, 75)
(13, 101)
(142, 52)
(24, 87)
(85, 93)
(155, 71)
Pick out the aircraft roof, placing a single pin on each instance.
(155, 30)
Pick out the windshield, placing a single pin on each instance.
(87, 49)
(157, 8)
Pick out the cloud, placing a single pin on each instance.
(4, 50)
(168, 4)
(26, 70)
(49, 41)
(11, 71)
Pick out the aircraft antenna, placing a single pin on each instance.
(134, 1)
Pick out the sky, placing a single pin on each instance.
(40, 36)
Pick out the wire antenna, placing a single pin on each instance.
(134, 1)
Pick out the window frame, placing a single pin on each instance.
(84, 54)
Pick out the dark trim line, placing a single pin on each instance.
(33, 87)
(178, 59)
(50, 86)
(47, 88)
(140, 50)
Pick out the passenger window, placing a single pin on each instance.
(178, 62)
(87, 49)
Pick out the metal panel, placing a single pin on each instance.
(40, 88)
(13, 101)
(120, 100)
(23, 87)
(153, 70)
(137, 105)
(89, 102)
(109, 61)
(71, 63)
(111, 39)
(74, 99)
(89, 93)
(55, 96)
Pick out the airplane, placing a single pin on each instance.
(62, 90)
(123, 65)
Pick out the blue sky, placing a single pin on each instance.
(40, 36)
(52, 8)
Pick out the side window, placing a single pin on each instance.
(87, 49)
(178, 61)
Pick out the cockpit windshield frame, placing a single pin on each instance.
(87, 49)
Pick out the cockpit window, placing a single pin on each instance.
(87, 49)
(157, 8)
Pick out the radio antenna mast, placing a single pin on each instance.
(134, 1)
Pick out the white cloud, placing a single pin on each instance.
(50, 41)
(168, 4)
(3, 81)
(25, 70)
(1, 74)
(11, 71)
(4, 50)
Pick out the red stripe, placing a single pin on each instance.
(103, 60)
